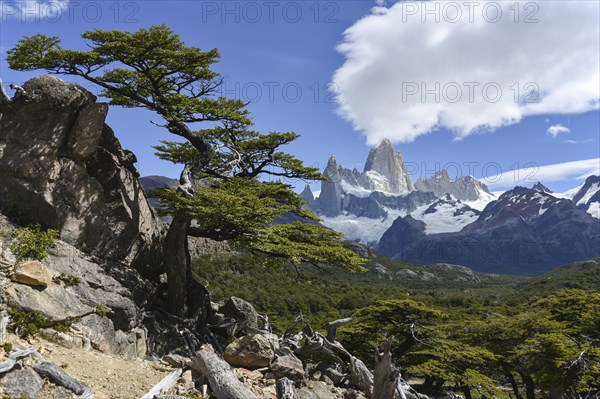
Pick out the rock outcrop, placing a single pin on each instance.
(384, 172)
(98, 303)
(62, 166)
(464, 188)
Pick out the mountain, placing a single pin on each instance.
(384, 172)
(525, 231)
(150, 183)
(464, 188)
(540, 187)
(363, 205)
(588, 196)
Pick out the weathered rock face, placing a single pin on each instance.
(101, 298)
(63, 167)
(388, 163)
(464, 188)
(384, 172)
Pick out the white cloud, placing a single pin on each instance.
(33, 10)
(578, 141)
(391, 53)
(532, 173)
(555, 130)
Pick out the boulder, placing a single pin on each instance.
(286, 364)
(241, 311)
(22, 384)
(55, 303)
(250, 351)
(32, 273)
(63, 167)
(316, 390)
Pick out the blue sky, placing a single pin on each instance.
(284, 56)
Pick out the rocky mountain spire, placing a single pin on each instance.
(386, 162)
(331, 191)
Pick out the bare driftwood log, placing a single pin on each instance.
(221, 378)
(164, 385)
(59, 377)
(9, 363)
(332, 327)
(285, 388)
(388, 382)
(320, 346)
(49, 370)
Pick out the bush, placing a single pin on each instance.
(32, 243)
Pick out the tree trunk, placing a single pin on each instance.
(467, 391)
(513, 384)
(176, 258)
(529, 386)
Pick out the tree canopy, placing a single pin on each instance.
(226, 164)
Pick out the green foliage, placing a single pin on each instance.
(227, 162)
(32, 243)
(451, 333)
(7, 346)
(26, 323)
(68, 279)
(102, 310)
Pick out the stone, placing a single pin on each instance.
(63, 167)
(63, 339)
(250, 351)
(22, 384)
(55, 303)
(241, 311)
(334, 375)
(32, 273)
(87, 130)
(177, 361)
(286, 364)
(315, 390)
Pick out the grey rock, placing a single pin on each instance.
(464, 188)
(384, 172)
(384, 160)
(55, 303)
(316, 390)
(241, 311)
(22, 384)
(540, 187)
(62, 167)
(250, 351)
(286, 364)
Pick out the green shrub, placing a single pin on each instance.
(102, 310)
(32, 243)
(26, 323)
(8, 347)
(68, 279)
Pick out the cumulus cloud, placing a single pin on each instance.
(33, 10)
(532, 173)
(555, 130)
(482, 65)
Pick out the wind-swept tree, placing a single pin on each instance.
(222, 185)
